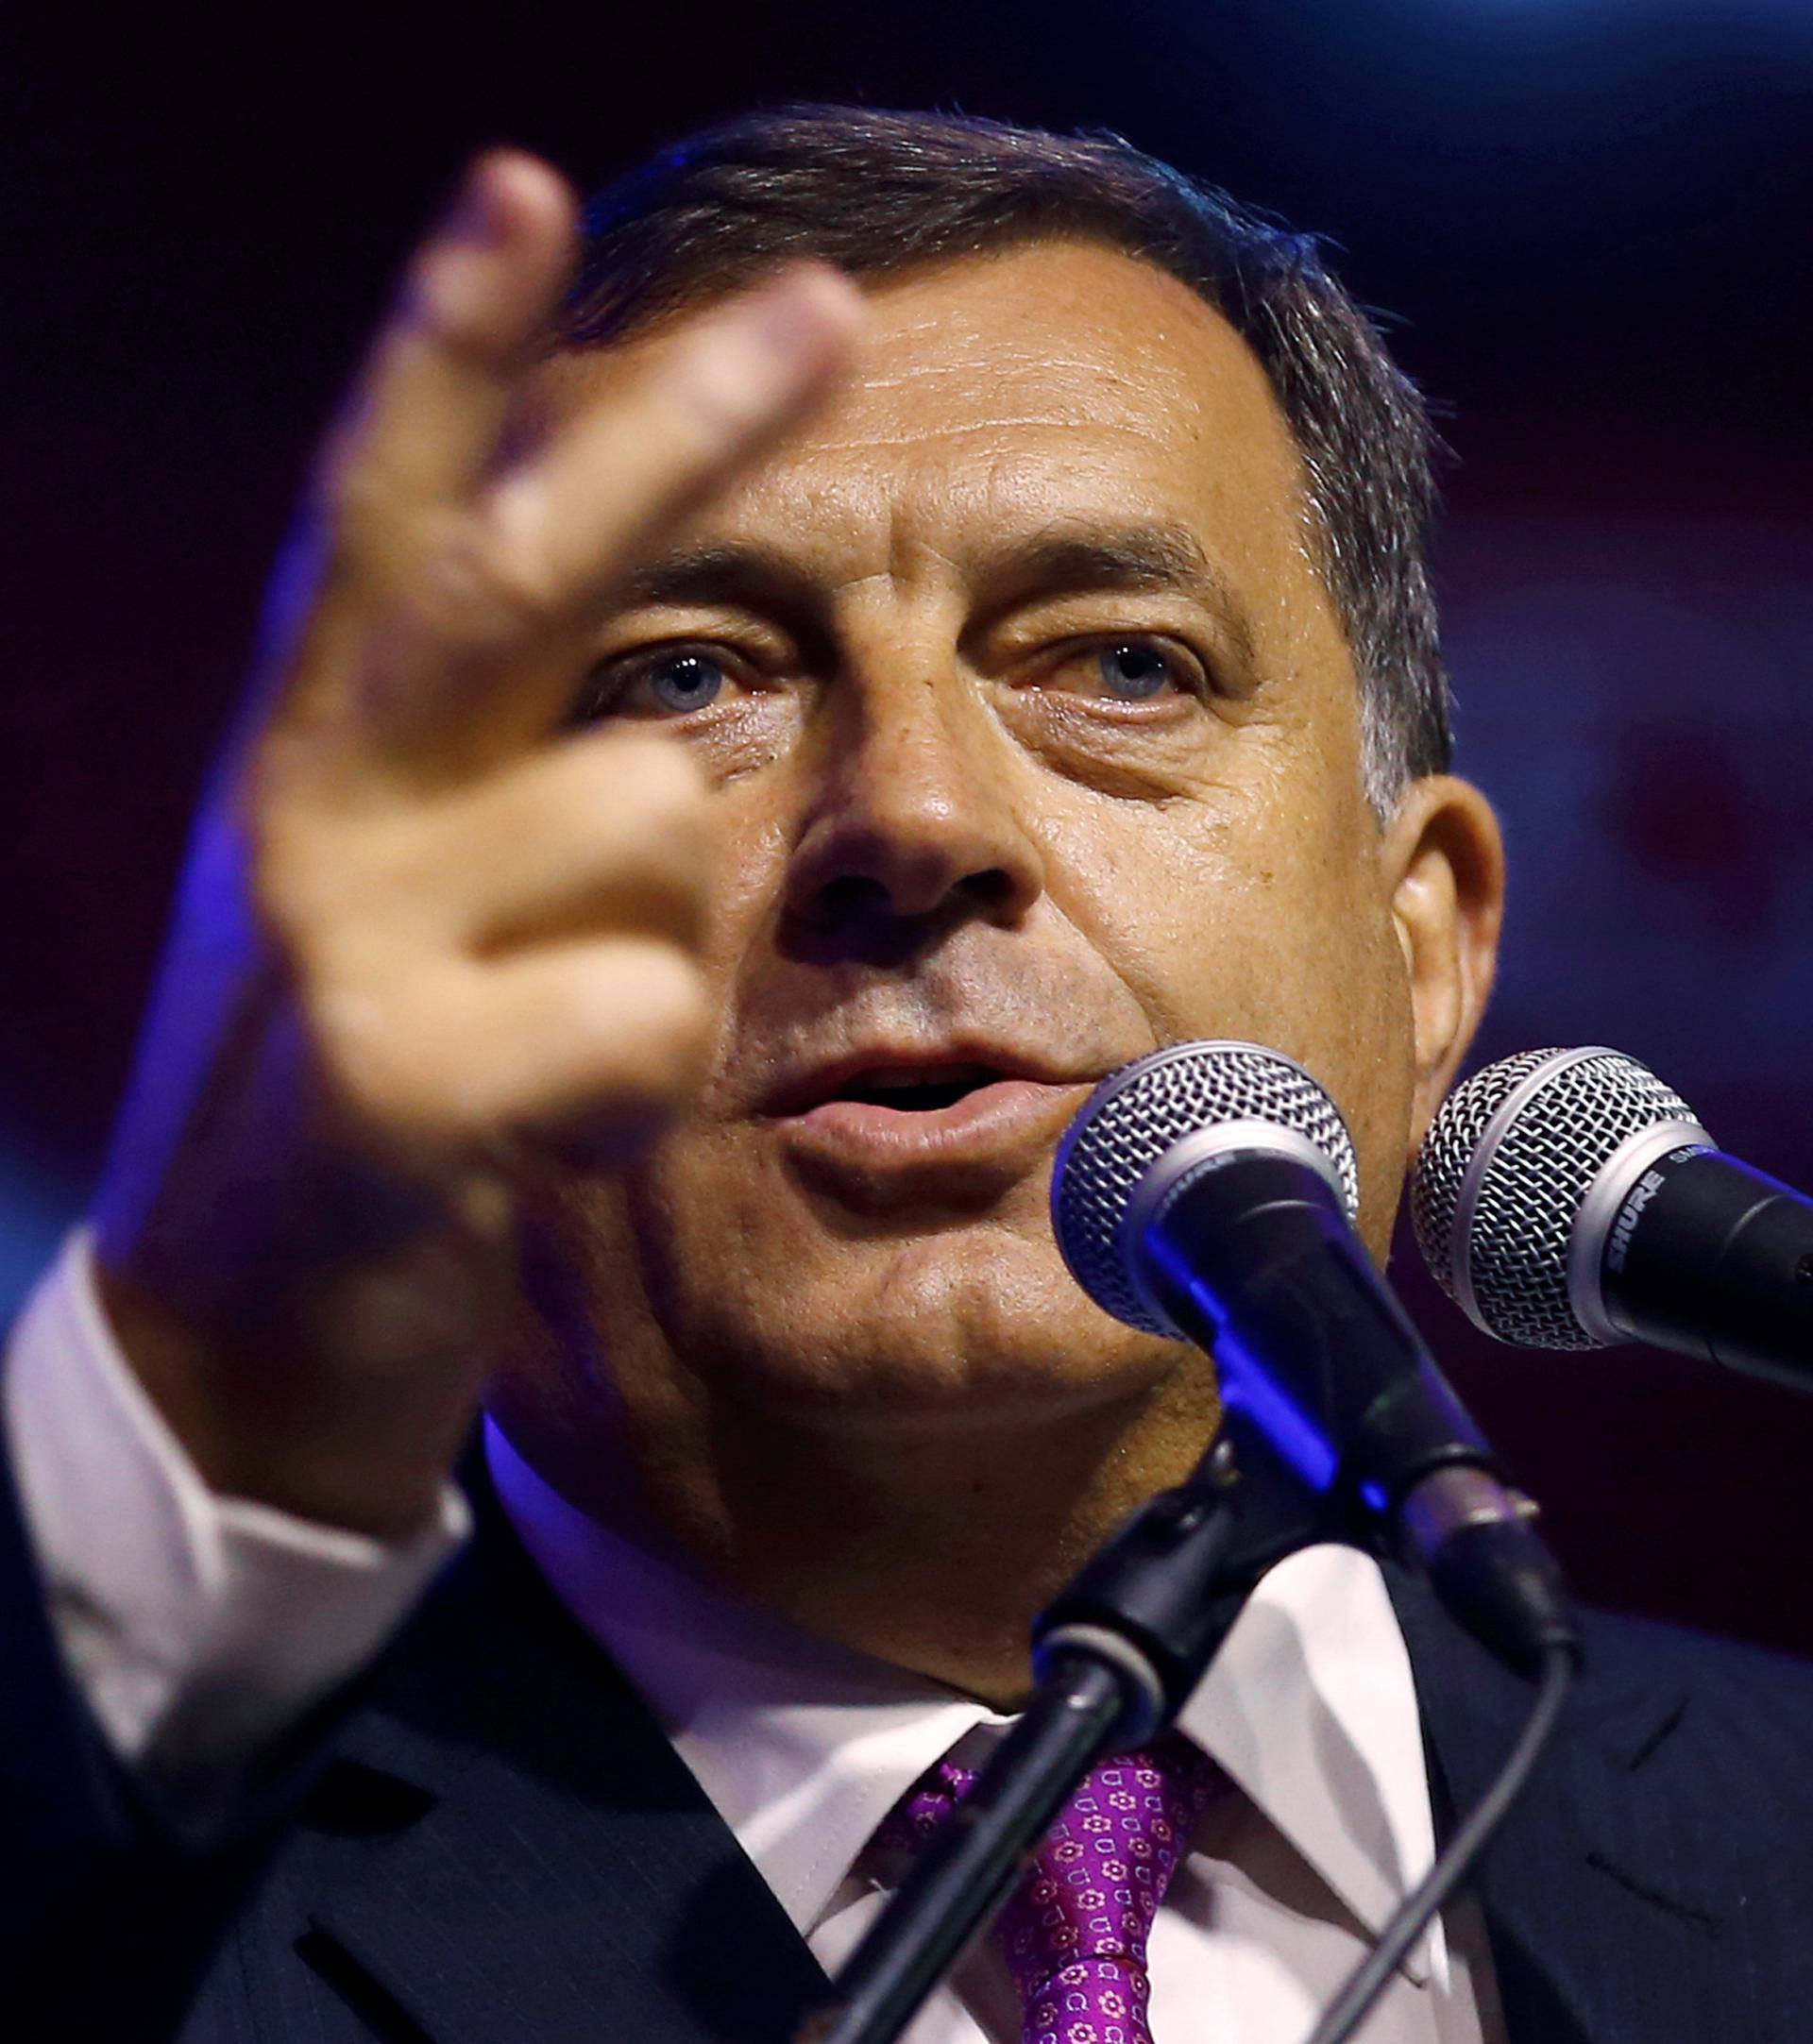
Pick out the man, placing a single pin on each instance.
(719, 792)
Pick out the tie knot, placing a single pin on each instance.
(1075, 1932)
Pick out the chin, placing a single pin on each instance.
(967, 1328)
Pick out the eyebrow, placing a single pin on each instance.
(728, 575)
(1070, 557)
(1160, 558)
(1134, 557)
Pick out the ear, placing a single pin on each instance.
(1444, 862)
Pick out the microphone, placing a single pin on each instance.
(1207, 1192)
(1569, 1199)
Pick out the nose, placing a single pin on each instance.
(912, 823)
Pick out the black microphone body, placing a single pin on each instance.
(1251, 1256)
(1709, 1257)
(1314, 1358)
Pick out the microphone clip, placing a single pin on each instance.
(1154, 1605)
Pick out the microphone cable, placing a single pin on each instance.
(1363, 1986)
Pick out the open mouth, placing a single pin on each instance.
(872, 1129)
(915, 1089)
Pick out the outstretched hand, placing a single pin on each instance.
(428, 928)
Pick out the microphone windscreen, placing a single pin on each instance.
(1497, 1193)
(1142, 1111)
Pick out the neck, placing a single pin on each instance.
(930, 1550)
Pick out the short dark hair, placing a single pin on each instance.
(881, 193)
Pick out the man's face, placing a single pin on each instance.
(1035, 744)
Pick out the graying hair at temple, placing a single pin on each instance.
(878, 194)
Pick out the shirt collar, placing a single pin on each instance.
(805, 1746)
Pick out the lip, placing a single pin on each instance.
(807, 1087)
(986, 1139)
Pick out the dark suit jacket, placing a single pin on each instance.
(490, 1841)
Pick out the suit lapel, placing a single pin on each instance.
(1608, 1916)
(509, 1851)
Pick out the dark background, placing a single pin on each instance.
(1591, 219)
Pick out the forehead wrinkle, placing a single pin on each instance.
(1001, 380)
(1007, 361)
(838, 504)
(947, 429)
(1086, 394)
(828, 519)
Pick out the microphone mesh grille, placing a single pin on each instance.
(1448, 1150)
(1540, 1169)
(1136, 1114)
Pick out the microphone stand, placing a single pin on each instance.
(1115, 1656)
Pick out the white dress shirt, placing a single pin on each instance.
(200, 1627)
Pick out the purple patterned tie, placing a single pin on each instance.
(1074, 1932)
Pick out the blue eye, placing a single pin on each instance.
(665, 681)
(1134, 671)
(683, 682)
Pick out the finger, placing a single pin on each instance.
(424, 418)
(606, 833)
(721, 389)
(591, 1045)
(577, 513)
(417, 432)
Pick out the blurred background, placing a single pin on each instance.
(1589, 221)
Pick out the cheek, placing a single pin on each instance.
(747, 887)
(1203, 905)
(1254, 912)
(1351, 1014)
